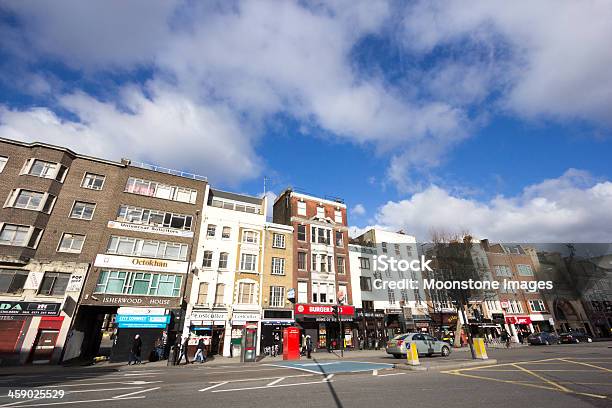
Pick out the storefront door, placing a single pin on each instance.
(44, 346)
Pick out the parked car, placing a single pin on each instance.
(545, 338)
(575, 337)
(426, 345)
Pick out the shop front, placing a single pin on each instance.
(149, 323)
(241, 318)
(319, 322)
(211, 326)
(542, 322)
(273, 322)
(369, 324)
(519, 324)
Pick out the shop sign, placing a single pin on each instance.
(75, 283)
(149, 229)
(196, 315)
(29, 309)
(422, 324)
(33, 281)
(152, 301)
(323, 310)
(141, 311)
(142, 321)
(370, 314)
(323, 319)
(243, 317)
(518, 319)
(141, 264)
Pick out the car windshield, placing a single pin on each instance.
(400, 336)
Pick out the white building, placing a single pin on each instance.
(226, 286)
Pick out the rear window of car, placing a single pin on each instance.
(401, 336)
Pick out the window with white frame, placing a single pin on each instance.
(30, 200)
(246, 293)
(513, 306)
(157, 218)
(278, 266)
(384, 247)
(391, 296)
(93, 181)
(364, 263)
(203, 293)
(320, 235)
(338, 217)
(158, 190)
(278, 240)
(250, 237)
(223, 257)
(343, 290)
(71, 243)
(129, 246)
(397, 249)
(44, 169)
(226, 232)
(82, 210)
(302, 295)
(54, 284)
(301, 208)
(210, 230)
(537, 306)
(524, 270)
(340, 265)
(277, 296)
(3, 161)
(248, 262)
(502, 270)
(219, 294)
(207, 259)
(323, 292)
(320, 212)
(339, 238)
(19, 235)
(301, 261)
(138, 283)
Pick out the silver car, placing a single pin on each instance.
(426, 345)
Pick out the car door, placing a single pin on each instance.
(431, 344)
(422, 346)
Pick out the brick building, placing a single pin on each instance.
(321, 269)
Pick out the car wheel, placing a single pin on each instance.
(397, 356)
(445, 351)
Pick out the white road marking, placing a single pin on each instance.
(213, 386)
(296, 368)
(276, 381)
(103, 383)
(237, 371)
(325, 380)
(103, 389)
(387, 375)
(76, 402)
(136, 392)
(265, 378)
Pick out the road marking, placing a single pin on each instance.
(386, 375)
(546, 380)
(102, 383)
(266, 378)
(296, 368)
(136, 392)
(276, 381)
(328, 377)
(238, 371)
(103, 389)
(323, 381)
(213, 386)
(76, 402)
(586, 364)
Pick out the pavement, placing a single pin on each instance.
(561, 375)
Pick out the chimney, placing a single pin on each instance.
(485, 244)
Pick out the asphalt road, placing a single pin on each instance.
(554, 376)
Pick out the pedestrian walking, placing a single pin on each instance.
(135, 350)
(184, 351)
(308, 346)
(200, 355)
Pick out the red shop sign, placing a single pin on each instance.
(323, 310)
(518, 319)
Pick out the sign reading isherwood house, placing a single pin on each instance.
(141, 264)
(150, 229)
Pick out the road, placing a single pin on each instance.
(561, 375)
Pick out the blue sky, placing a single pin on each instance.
(490, 117)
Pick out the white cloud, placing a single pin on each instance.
(164, 128)
(358, 209)
(548, 58)
(572, 208)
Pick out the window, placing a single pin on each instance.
(384, 247)
(250, 237)
(12, 280)
(320, 212)
(524, 270)
(397, 249)
(246, 292)
(301, 261)
(302, 292)
(339, 238)
(301, 232)
(219, 292)
(54, 284)
(3, 160)
(71, 243)
(82, 210)
(391, 295)
(277, 296)
(248, 262)
(320, 235)
(365, 282)
(93, 181)
(301, 208)
(364, 263)
(207, 260)
(278, 241)
(146, 216)
(30, 200)
(19, 235)
(343, 293)
(225, 233)
(502, 270)
(203, 293)
(158, 190)
(338, 217)
(138, 283)
(323, 292)
(44, 169)
(409, 250)
(153, 249)
(537, 306)
(210, 231)
(223, 256)
(278, 266)
(340, 265)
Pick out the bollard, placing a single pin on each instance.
(412, 355)
(480, 349)
(172, 356)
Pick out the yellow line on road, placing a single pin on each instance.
(498, 380)
(546, 380)
(586, 364)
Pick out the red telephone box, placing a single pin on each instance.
(291, 343)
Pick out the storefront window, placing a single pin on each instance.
(138, 283)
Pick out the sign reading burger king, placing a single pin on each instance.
(323, 310)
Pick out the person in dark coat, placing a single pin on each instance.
(136, 350)
(200, 355)
(184, 351)
(308, 345)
